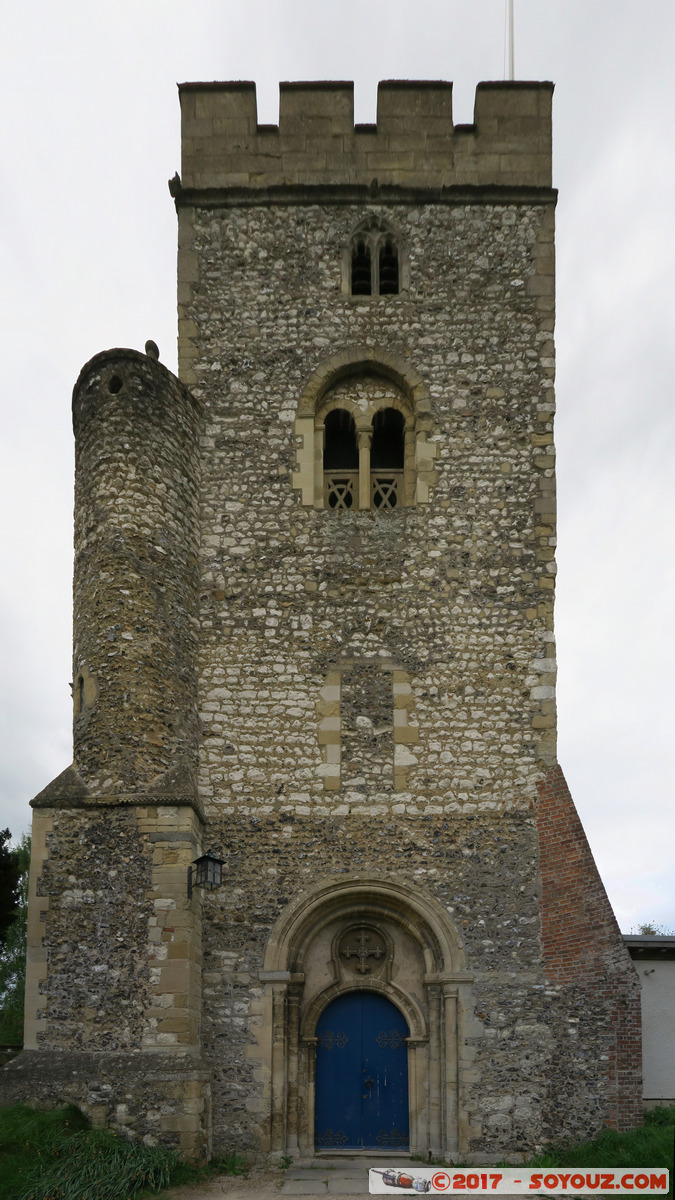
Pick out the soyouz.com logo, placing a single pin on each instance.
(518, 1181)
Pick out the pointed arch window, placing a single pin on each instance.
(361, 269)
(388, 268)
(374, 262)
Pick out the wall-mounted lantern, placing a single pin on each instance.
(206, 871)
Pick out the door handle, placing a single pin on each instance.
(368, 1082)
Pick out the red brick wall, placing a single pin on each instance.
(582, 944)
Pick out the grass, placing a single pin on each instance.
(57, 1156)
(649, 1146)
(223, 1164)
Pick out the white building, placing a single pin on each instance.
(654, 958)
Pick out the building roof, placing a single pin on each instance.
(652, 946)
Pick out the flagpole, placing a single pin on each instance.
(512, 73)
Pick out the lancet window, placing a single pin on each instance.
(388, 268)
(375, 264)
(362, 276)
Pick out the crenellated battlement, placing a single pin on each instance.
(413, 144)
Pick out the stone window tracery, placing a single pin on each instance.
(374, 263)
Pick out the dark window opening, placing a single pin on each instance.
(387, 452)
(388, 444)
(80, 693)
(361, 270)
(114, 384)
(340, 460)
(341, 452)
(388, 269)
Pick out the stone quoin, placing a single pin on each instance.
(313, 636)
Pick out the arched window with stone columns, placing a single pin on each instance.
(366, 427)
(365, 435)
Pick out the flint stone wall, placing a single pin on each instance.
(113, 972)
(156, 1097)
(135, 578)
(96, 882)
(376, 691)
(304, 611)
(457, 592)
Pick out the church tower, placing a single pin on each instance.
(314, 638)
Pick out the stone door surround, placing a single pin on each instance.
(421, 970)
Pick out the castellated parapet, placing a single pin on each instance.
(414, 142)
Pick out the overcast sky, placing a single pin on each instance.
(90, 137)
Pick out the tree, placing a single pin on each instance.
(13, 953)
(9, 878)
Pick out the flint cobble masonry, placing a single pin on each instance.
(467, 588)
(355, 710)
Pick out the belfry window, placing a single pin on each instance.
(361, 269)
(363, 436)
(340, 460)
(364, 466)
(373, 263)
(388, 269)
(387, 455)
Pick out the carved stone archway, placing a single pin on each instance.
(423, 972)
(409, 394)
(360, 359)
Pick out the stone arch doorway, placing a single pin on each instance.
(361, 1091)
(365, 933)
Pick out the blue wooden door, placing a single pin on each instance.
(361, 1099)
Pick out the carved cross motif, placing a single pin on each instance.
(363, 951)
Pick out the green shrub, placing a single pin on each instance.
(661, 1116)
(649, 1146)
(56, 1156)
(13, 947)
